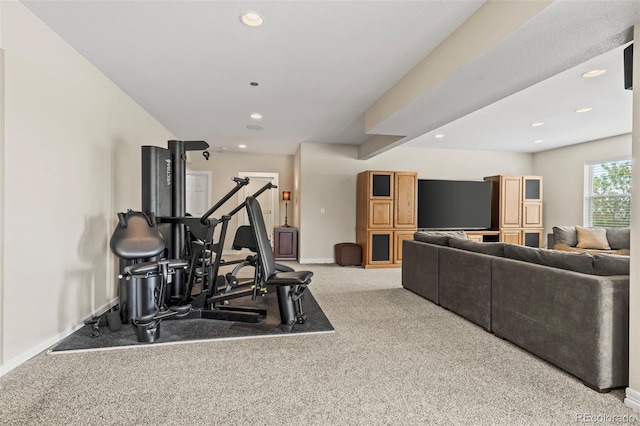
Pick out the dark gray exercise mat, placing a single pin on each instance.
(203, 329)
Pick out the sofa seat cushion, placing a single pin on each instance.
(564, 247)
(578, 262)
(493, 249)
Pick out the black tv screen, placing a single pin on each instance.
(454, 204)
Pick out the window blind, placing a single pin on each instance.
(607, 194)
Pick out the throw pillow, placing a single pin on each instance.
(619, 238)
(565, 235)
(592, 238)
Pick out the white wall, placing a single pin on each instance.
(226, 165)
(2, 199)
(562, 170)
(328, 180)
(633, 391)
(71, 161)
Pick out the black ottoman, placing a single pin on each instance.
(347, 254)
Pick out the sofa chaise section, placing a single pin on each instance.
(574, 320)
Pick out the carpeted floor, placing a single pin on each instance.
(190, 330)
(394, 359)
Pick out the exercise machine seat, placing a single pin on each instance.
(138, 241)
(136, 236)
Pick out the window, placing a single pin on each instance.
(607, 193)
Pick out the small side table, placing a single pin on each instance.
(285, 243)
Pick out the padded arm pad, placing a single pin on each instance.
(290, 278)
(155, 266)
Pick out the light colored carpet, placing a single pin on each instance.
(394, 359)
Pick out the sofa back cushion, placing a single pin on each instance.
(619, 238)
(577, 262)
(609, 264)
(440, 238)
(493, 249)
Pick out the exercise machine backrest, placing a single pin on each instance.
(265, 252)
(244, 239)
(136, 236)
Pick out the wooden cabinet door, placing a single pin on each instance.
(474, 237)
(511, 236)
(285, 243)
(510, 201)
(531, 214)
(532, 237)
(405, 200)
(398, 238)
(380, 214)
(381, 185)
(379, 248)
(532, 188)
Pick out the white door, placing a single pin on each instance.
(198, 194)
(267, 200)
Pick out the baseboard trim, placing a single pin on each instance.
(317, 260)
(632, 399)
(43, 346)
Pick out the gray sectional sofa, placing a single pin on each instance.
(571, 309)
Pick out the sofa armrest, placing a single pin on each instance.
(551, 241)
(420, 268)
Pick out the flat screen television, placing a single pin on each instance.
(454, 204)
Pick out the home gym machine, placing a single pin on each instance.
(164, 274)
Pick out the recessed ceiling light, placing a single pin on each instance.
(593, 73)
(251, 19)
(256, 116)
(584, 109)
(438, 136)
(242, 146)
(538, 141)
(254, 127)
(537, 124)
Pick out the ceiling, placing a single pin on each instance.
(320, 65)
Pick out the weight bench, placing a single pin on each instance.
(290, 285)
